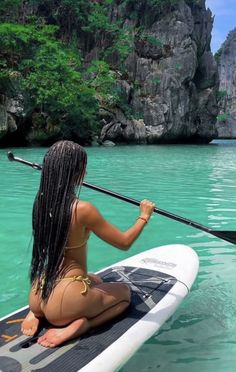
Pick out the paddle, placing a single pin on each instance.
(229, 236)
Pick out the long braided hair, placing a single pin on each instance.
(63, 170)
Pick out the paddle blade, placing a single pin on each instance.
(229, 236)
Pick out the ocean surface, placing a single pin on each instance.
(196, 182)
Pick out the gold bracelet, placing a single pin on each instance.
(142, 218)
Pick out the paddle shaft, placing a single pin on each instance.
(229, 236)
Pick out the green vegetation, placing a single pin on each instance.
(152, 40)
(221, 94)
(223, 117)
(48, 75)
(41, 59)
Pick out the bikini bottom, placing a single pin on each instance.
(79, 278)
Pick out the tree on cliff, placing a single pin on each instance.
(42, 63)
(68, 58)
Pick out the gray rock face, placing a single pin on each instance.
(8, 108)
(226, 57)
(172, 80)
(168, 84)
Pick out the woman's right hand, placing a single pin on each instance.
(146, 208)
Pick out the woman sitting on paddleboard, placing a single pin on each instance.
(72, 300)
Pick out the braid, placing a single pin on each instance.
(62, 172)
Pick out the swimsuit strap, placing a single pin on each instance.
(79, 278)
(79, 245)
(75, 278)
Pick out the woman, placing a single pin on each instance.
(72, 300)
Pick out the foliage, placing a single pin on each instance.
(221, 94)
(157, 81)
(98, 18)
(48, 73)
(120, 49)
(39, 56)
(40, 42)
(18, 41)
(103, 81)
(9, 8)
(223, 117)
(152, 40)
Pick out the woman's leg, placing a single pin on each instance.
(104, 302)
(57, 336)
(31, 323)
(95, 279)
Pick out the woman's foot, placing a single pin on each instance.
(57, 336)
(30, 324)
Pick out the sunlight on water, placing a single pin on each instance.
(196, 182)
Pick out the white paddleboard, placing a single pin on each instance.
(160, 278)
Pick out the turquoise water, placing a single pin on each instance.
(196, 182)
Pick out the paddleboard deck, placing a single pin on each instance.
(159, 278)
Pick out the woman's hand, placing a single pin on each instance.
(146, 209)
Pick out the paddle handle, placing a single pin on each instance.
(229, 236)
(119, 196)
(156, 210)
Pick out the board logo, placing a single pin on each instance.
(158, 263)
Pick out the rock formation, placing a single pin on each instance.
(226, 59)
(172, 78)
(169, 80)
(9, 108)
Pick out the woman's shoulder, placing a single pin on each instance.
(85, 211)
(84, 207)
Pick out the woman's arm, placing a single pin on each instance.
(90, 217)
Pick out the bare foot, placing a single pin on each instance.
(30, 324)
(57, 336)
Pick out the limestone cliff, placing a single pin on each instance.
(172, 78)
(9, 109)
(226, 58)
(168, 81)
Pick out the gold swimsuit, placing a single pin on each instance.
(79, 245)
(79, 278)
(75, 278)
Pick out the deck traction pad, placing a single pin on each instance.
(148, 288)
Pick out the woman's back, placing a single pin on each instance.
(76, 246)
